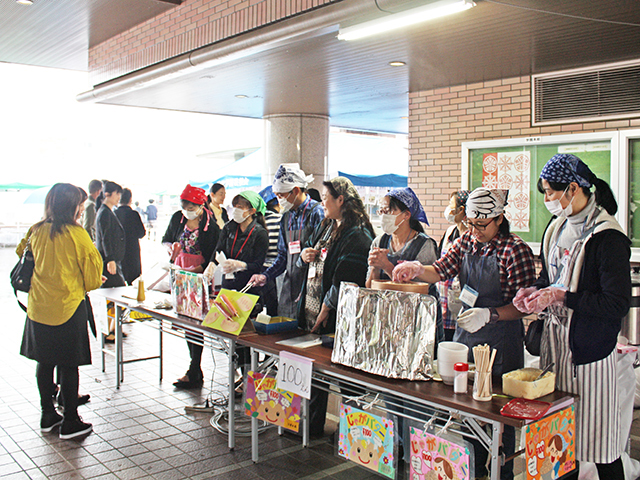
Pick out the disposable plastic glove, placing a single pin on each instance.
(258, 279)
(521, 296)
(538, 301)
(231, 266)
(474, 319)
(208, 272)
(406, 271)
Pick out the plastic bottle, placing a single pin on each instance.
(460, 375)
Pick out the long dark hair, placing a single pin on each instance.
(240, 201)
(60, 207)
(395, 204)
(353, 213)
(604, 195)
(107, 187)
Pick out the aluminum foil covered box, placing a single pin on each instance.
(385, 332)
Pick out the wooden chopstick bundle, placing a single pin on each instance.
(484, 358)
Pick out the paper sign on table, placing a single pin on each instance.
(243, 304)
(294, 374)
(99, 305)
(273, 405)
(367, 440)
(434, 457)
(550, 445)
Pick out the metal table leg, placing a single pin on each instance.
(254, 420)
(232, 408)
(119, 347)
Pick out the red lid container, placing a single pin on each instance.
(461, 367)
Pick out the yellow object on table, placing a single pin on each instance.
(520, 383)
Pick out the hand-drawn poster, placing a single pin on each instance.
(550, 446)
(367, 440)
(266, 402)
(435, 458)
(230, 311)
(511, 171)
(190, 294)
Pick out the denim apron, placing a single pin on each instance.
(482, 273)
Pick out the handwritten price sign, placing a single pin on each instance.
(294, 374)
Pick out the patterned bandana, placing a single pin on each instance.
(567, 168)
(462, 196)
(267, 194)
(255, 200)
(289, 176)
(195, 195)
(485, 203)
(410, 200)
(344, 187)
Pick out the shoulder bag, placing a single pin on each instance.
(23, 271)
(533, 337)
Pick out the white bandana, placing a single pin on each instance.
(485, 203)
(288, 176)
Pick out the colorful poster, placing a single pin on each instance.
(190, 294)
(435, 458)
(550, 446)
(230, 311)
(367, 440)
(511, 171)
(270, 404)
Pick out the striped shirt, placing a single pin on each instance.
(272, 219)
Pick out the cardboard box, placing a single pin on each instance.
(276, 325)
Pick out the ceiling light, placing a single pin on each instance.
(397, 63)
(242, 96)
(25, 2)
(406, 18)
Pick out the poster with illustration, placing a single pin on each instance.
(190, 294)
(550, 446)
(367, 440)
(230, 311)
(439, 457)
(510, 171)
(266, 402)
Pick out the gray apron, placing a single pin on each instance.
(482, 273)
(294, 277)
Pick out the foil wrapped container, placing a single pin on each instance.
(385, 332)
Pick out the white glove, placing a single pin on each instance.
(540, 300)
(407, 271)
(258, 279)
(208, 272)
(474, 319)
(231, 266)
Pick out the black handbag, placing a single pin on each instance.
(533, 337)
(22, 272)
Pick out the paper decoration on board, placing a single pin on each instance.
(550, 449)
(266, 402)
(190, 294)
(230, 311)
(436, 458)
(367, 440)
(511, 171)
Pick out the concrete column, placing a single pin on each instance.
(297, 138)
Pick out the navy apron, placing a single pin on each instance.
(482, 273)
(410, 253)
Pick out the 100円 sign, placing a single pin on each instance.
(294, 374)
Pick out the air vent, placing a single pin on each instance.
(598, 93)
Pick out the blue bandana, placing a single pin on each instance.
(410, 199)
(267, 194)
(566, 168)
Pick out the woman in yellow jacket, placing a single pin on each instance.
(67, 265)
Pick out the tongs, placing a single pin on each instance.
(544, 372)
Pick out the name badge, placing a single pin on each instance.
(294, 247)
(311, 273)
(468, 296)
(230, 276)
(323, 254)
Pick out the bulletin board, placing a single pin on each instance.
(634, 192)
(485, 163)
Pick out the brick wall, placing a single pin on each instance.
(191, 25)
(441, 119)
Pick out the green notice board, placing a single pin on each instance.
(634, 192)
(597, 155)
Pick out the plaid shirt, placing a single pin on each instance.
(515, 261)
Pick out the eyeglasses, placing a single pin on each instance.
(479, 227)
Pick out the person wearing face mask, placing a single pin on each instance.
(455, 215)
(190, 240)
(403, 240)
(492, 265)
(582, 293)
(300, 216)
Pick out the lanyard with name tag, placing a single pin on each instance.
(468, 296)
(294, 247)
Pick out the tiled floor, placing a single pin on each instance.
(141, 430)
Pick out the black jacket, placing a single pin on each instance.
(133, 232)
(110, 238)
(208, 233)
(602, 299)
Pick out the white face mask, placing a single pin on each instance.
(190, 215)
(449, 215)
(238, 215)
(285, 204)
(388, 223)
(555, 207)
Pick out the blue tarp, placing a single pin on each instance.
(387, 180)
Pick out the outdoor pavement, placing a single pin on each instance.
(141, 431)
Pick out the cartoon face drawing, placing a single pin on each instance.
(273, 412)
(443, 468)
(365, 453)
(553, 453)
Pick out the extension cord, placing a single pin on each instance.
(198, 408)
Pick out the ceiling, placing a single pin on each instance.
(351, 82)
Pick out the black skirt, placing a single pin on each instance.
(66, 344)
